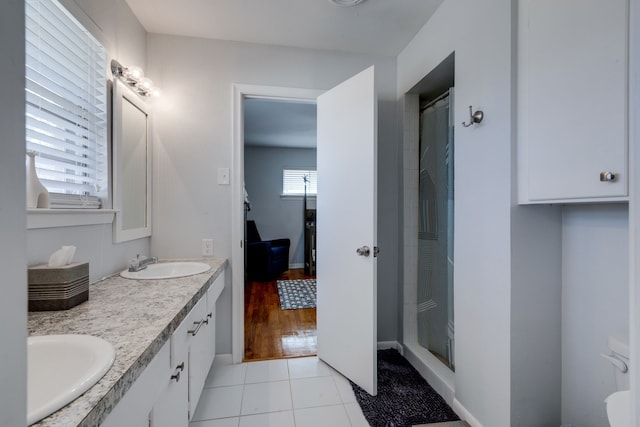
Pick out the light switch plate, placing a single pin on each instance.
(223, 176)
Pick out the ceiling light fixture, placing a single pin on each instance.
(345, 3)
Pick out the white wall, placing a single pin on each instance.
(529, 280)
(595, 297)
(194, 139)
(480, 35)
(495, 258)
(634, 212)
(115, 26)
(13, 303)
(275, 216)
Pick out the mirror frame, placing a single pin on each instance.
(121, 94)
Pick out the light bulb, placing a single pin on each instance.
(145, 84)
(134, 73)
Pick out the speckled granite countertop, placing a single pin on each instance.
(137, 317)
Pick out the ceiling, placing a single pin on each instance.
(382, 27)
(272, 123)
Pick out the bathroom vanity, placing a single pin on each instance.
(164, 335)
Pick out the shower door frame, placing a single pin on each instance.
(438, 374)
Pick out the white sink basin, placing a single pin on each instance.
(168, 270)
(61, 368)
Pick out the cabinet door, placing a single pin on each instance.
(572, 100)
(171, 408)
(136, 405)
(199, 364)
(212, 297)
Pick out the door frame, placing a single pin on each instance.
(239, 93)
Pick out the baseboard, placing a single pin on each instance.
(296, 266)
(385, 345)
(464, 414)
(223, 359)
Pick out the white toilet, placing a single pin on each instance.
(618, 404)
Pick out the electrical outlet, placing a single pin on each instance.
(207, 247)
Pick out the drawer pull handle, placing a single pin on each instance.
(176, 375)
(197, 328)
(210, 315)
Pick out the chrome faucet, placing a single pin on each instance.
(141, 262)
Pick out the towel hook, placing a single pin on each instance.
(474, 118)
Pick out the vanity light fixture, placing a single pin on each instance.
(134, 77)
(346, 3)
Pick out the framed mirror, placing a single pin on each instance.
(132, 143)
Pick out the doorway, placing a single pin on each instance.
(436, 366)
(435, 229)
(347, 124)
(280, 155)
(241, 93)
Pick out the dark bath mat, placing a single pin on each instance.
(404, 398)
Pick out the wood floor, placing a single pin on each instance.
(273, 333)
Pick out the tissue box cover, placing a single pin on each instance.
(58, 288)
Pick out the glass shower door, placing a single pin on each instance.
(435, 232)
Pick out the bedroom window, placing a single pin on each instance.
(66, 106)
(293, 182)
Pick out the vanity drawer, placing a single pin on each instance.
(192, 325)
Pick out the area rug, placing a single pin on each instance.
(294, 294)
(404, 398)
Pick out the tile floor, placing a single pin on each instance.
(302, 392)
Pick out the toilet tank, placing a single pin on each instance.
(619, 348)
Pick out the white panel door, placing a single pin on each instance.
(347, 206)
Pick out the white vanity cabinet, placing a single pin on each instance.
(134, 407)
(167, 392)
(572, 101)
(202, 348)
(173, 408)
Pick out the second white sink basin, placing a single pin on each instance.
(62, 367)
(167, 270)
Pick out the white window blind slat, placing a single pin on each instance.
(38, 93)
(47, 75)
(69, 29)
(74, 132)
(293, 182)
(66, 104)
(49, 39)
(50, 159)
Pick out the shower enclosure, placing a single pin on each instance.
(435, 229)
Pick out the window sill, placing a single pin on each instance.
(297, 196)
(52, 218)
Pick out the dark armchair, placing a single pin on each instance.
(266, 260)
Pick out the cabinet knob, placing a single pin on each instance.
(607, 176)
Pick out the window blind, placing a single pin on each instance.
(66, 109)
(293, 181)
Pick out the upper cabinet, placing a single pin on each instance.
(572, 101)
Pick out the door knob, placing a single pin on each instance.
(363, 251)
